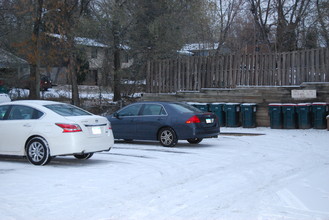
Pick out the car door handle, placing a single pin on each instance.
(27, 125)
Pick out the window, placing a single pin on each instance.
(67, 110)
(153, 109)
(24, 113)
(184, 108)
(131, 110)
(3, 111)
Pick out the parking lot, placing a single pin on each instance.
(258, 173)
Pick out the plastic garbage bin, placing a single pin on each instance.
(319, 113)
(248, 115)
(275, 112)
(289, 116)
(232, 111)
(304, 115)
(218, 109)
(201, 106)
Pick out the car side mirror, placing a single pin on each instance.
(116, 115)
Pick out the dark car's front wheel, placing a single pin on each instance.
(194, 140)
(168, 137)
(37, 151)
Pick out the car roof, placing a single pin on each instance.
(36, 102)
(158, 102)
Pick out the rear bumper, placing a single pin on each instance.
(76, 144)
(191, 131)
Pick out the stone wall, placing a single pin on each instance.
(262, 96)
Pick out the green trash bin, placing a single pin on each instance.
(275, 113)
(304, 115)
(232, 111)
(289, 116)
(218, 109)
(319, 113)
(248, 115)
(201, 106)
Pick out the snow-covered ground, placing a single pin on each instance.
(64, 91)
(279, 175)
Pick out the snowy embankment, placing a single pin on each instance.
(282, 174)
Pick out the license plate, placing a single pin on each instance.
(96, 130)
(209, 120)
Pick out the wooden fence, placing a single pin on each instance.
(230, 71)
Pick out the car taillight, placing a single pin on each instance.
(193, 119)
(69, 127)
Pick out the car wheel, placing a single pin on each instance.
(83, 156)
(37, 151)
(168, 137)
(194, 140)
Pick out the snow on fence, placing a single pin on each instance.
(230, 71)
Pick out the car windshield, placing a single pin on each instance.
(184, 108)
(67, 110)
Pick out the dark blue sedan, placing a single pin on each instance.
(166, 122)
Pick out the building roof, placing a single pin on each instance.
(81, 41)
(9, 60)
(88, 42)
(200, 46)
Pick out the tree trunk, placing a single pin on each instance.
(116, 58)
(74, 81)
(34, 81)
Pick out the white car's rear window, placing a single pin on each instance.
(67, 110)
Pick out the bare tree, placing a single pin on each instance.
(35, 61)
(289, 17)
(322, 7)
(224, 13)
(285, 16)
(262, 12)
(65, 21)
(113, 17)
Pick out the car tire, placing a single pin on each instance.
(37, 151)
(194, 140)
(167, 137)
(83, 156)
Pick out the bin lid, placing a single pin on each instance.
(288, 104)
(196, 103)
(319, 103)
(304, 104)
(275, 104)
(217, 103)
(232, 104)
(248, 104)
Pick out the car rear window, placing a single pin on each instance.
(67, 110)
(184, 108)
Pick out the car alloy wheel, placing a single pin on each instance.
(167, 137)
(37, 151)
(83, 156)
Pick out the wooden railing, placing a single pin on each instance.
(230, 71)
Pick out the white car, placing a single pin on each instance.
(41, 130)
(4, 98)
